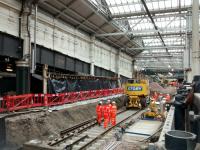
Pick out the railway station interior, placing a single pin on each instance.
(99, 75)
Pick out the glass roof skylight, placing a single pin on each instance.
(170, 17)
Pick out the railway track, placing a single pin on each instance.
(112, 145)
(88, 135)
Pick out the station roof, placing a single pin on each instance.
(153, 31)
(85, 16)
(160, 25)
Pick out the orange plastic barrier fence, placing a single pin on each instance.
(12, 103)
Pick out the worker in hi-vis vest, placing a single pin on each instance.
(99, 109)
(113, 113)
(110, 106)
(106, 114)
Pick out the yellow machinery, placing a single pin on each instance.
(136, 91)
(154, 111)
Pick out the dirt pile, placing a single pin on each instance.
(44, 124)
(155, 87)
(170, 90)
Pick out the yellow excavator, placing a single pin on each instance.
(137, 92)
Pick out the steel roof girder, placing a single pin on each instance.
(78, 23)
(144, 31)
(67, 8)
(152, 12)
(159, 47)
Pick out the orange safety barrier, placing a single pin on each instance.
(54, 99)
(38, 100)
(19, 102)
(12, 103)
(2, 105)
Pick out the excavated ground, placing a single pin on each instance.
(42, 125)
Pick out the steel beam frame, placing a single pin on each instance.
(73, 12)
(183, 15)
(84, 26)
(130, 3)
(63, 11)
(86, 19)
(158, 47)
(107, 21)
(163, 34)
(162, 11)
(155, 56)
(139, 33)
(162, 67)
(164, 28)
(154, 24)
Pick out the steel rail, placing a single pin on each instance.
(76, 126)
(106, 131)
(77, 129)
(73, 132)
(70, 146)
(82, 124)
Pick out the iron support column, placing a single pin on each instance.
(34, 50)
(92, 49)
(195, 39)
(26, 32)
(22, 77)
(133, 69)
(117, 67)
(117, 64)
(187, 51)
(45, 70)
(23, 66)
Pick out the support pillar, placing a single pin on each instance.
(117, 67)
(45, 70)
(25, 32)
(23, 65)
(133, 69)
(92, 49)
(117, 64)
(195, 39)
(75, 44)
(22, 77)
(187, 52)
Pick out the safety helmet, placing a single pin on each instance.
(100, 102)
(113, 102)
(108, 100)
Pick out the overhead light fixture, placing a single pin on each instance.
(9, 68)
(170, 74)
(169, 66)
(7, 59)
(135, 67)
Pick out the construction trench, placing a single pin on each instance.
(73, 126)
(21, 127)
(59, 58)
(29, 128)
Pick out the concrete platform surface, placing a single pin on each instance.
(141, 130)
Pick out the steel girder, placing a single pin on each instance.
(159, 47)
(142, 13)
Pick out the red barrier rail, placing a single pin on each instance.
(12, 103)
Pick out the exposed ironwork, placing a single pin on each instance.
(152, 20)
